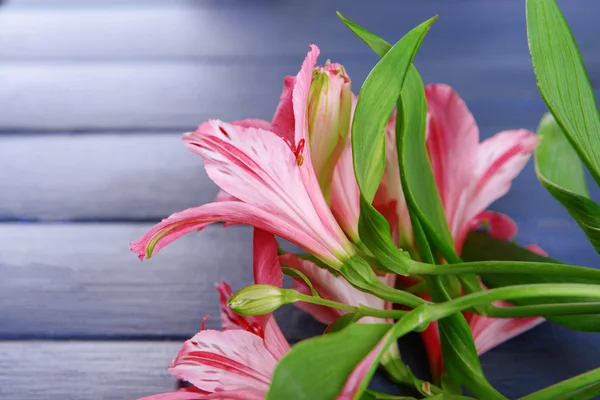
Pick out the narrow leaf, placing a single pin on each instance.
(560, 171)
(563, 80)
(294, 273)
(482, 247)
(376, 101)
(336, 356)
(580, 387)
(418, 183)
(378, 96)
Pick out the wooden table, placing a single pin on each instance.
(94, 97)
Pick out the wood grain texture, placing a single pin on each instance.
(84, 370)
(109, 29)
(153, 66)
(81, 281)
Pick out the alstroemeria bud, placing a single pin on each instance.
(260, 299)
(329, 110)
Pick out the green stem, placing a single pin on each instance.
(575, 290)
(543, 310)
(362, 310)
(360, 275)
(423, 315)
(506, 267)
(587, 383)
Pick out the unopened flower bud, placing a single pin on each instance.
(260, 299)
(329, 111)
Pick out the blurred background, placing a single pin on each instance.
(94, 96)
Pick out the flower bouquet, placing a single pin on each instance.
(386, 193)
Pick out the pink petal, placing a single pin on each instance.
(452, 142)
(283, 121)
(433, 346)
(259, 168)
(499, 160)
(334, 288)
(247, 394)
(267, 269)
(224, 196)
(229, 360)
(534, 248)
(357, 375)
(490, 332)
(253, 123)
(498, 225)
(198, 218)
(345, 195)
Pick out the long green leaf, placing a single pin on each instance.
(376, 101)
(563, 80)
(560, 171)
(482, 247)
(580, 387)
(415, 168)
(317, 368)
(420, 189)
(378, 96)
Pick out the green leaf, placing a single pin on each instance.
(418, 181)
(376, 101)
(335, 355)
(378, 96)
(342, 322)
(563, 80)
(294, 273)
(423, 199)
(580, 387)
(374, 231)
(458, 348)
(558, 168)
(481, 247)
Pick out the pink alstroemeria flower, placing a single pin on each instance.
(271, 175)
(238, 362)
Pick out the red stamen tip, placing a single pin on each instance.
(298, 152)
(207, 316)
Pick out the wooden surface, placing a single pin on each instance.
(94, 95)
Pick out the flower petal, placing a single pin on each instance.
(490, 332)
(498, 225)
(433, 346)
(267, 269)
(198, 218)
(452, 142)
(230, 360)
(253, 123)
(283, 121)
(499, 160)
(259, 168)
(246, 394)
(345, 195)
